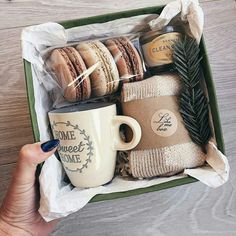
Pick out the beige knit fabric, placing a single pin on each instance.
(164, 85)
(163, 161)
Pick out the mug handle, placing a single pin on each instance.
(135, 127)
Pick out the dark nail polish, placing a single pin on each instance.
(49, 145)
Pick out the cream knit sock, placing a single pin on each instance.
(168, 160)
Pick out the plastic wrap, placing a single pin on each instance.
(92, 69)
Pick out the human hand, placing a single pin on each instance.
(19, 211)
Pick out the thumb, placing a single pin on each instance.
(20, 198)
(30, 156)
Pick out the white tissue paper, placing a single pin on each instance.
(36, 39)
(190, 12)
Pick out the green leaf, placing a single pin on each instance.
(192, 101)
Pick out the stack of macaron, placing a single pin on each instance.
(112, 61)
(67, 64)
(127, 59)
(105, 77)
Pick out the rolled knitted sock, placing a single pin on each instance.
(165, 161)
(168, 160)
(156, 86)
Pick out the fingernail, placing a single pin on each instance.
(49, 145)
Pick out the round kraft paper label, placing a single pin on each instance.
(164, 123)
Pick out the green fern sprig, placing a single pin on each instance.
(192, 101)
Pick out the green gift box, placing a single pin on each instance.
(208, 80)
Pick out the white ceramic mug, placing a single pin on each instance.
(89, 139)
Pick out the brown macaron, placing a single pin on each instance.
(105, 77)
(67, 64)
(127, 59)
